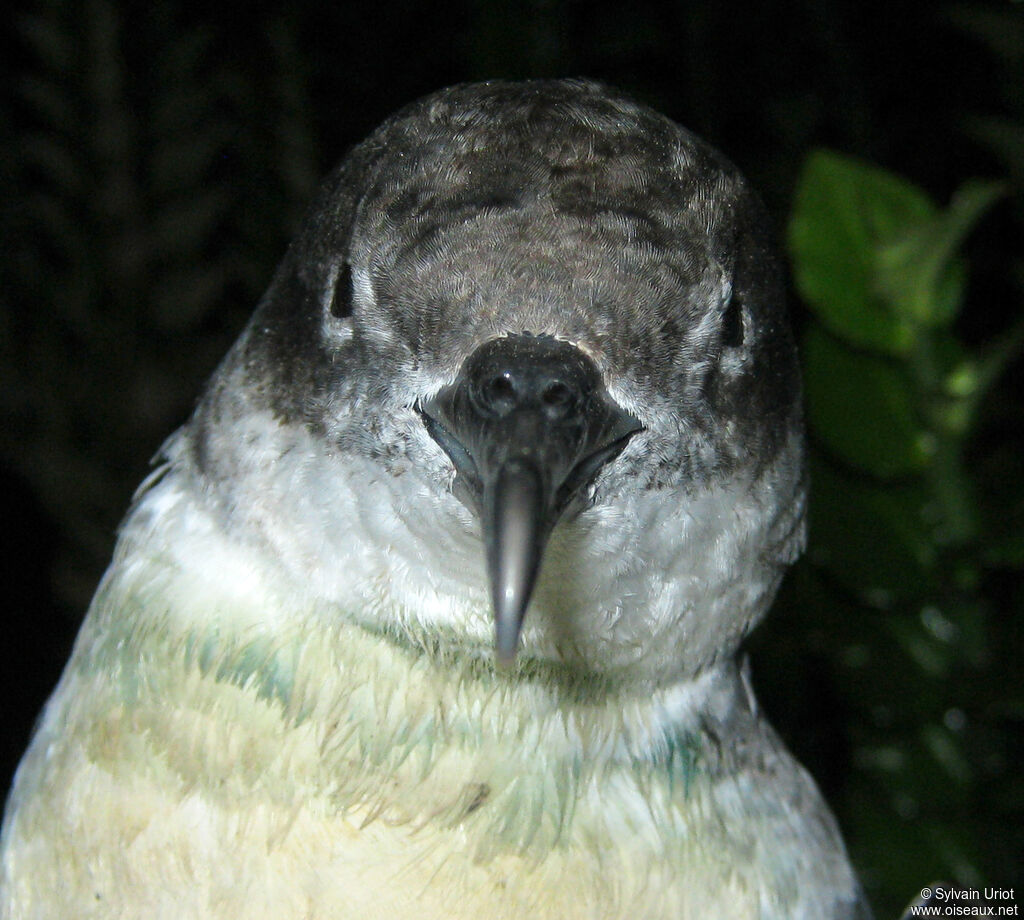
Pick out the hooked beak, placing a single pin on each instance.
(528, 425)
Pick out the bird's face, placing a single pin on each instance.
(549, 323)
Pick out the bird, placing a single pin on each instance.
(434, 607)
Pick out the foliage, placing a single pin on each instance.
(902, 561)
(146, 221)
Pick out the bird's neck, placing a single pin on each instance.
(402, 729)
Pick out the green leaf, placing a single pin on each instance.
(861, 407)
(845, 212)
(919, 273)
(873, 257)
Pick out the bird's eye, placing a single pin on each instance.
(341, 302)
(732, 322)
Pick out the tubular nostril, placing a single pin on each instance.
(558, 399)
(537, 374)
(498, 394)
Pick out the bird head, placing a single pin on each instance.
(546, 327)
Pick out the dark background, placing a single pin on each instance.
(157, 157)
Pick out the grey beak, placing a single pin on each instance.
(516, 523)
(528, 425)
